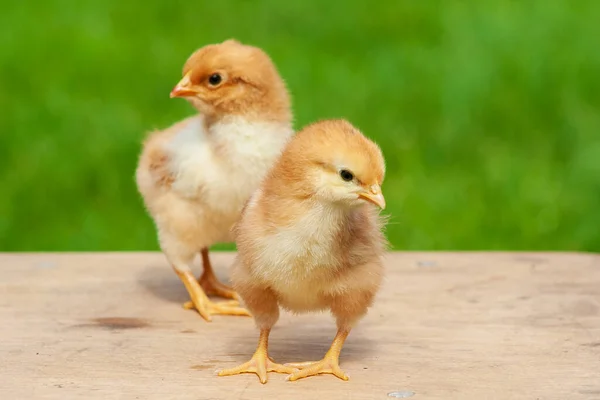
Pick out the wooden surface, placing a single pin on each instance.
(445, 326)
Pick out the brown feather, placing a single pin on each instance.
(302, 248)
(195, 176)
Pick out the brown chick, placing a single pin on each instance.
(196, 175)
(310, 239)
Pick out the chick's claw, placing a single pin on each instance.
(310, 368)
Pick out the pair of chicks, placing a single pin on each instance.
(299, 207)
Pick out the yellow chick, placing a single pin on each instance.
(310, 239)
(196, 175)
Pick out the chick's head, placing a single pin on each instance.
(337, 163)
(231, 78)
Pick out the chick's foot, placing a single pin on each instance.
(208, 308)
(260, 363)
(328, 365)
(205, 307)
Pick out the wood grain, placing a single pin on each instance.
(445, 326)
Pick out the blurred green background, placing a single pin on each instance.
(488, 111)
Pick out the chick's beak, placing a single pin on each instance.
(182, 89)
(374, 195)
(179, 91)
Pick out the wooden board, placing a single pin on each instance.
(445, 326)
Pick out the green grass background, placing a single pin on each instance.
(488, 111)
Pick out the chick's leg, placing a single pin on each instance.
(260, 363)
(328, 365)
(348, 309)
(263, 305)
(210, 283)
(180, 259)
(202, 303)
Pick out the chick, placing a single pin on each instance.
(195, 176)
(311, 238)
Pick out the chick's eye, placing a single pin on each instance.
(214, 79)
(346, 175)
